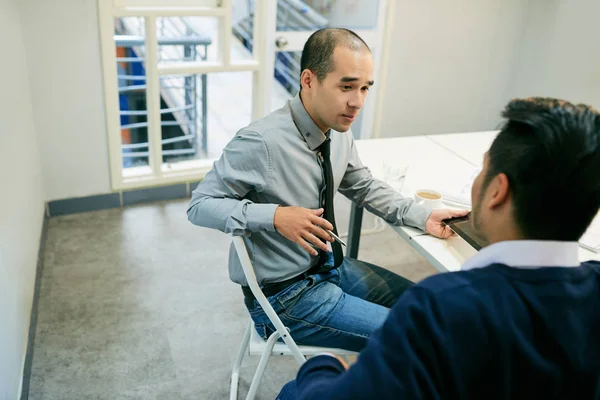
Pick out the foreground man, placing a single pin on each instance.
(522, 318)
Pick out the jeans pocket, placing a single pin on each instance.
(292, 294)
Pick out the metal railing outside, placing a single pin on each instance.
(292, 15)
(180, 43)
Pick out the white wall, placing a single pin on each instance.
(454, 65)
(559, 54)
(352, 14)
(63, 52)
(449, 65)
(21, 201)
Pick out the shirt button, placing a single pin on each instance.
(307, 133)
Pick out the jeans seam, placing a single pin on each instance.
(285, 315)
(362, 279)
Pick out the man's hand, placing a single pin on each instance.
(436, 227)
(303, 226)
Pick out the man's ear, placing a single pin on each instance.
(307, 79)
(499, 191)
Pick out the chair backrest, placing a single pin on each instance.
(242, 253)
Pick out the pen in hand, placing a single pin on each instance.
(336, 237)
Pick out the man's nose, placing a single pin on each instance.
(356, 101)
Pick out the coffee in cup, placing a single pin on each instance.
(428, 195)
(430, 199)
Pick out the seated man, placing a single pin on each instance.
(274, 185)
(522, 318)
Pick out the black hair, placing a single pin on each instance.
(318, 49)
(550, 151)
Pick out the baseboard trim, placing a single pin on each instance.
(119, 199)
(26, 380)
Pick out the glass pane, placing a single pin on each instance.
(183, 39)
(308, 15)
(242, 21)
(286, 82)
(201, 113)
(129, 46)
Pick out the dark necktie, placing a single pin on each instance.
(325, 148)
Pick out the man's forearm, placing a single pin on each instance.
(237, 217)
(383, 201)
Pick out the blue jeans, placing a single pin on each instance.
(339, 308)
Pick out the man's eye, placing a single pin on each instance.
(366, 88)
(346, 87)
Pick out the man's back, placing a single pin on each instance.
(494, 332)
(520, 333)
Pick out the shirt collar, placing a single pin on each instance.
(305, 124)
(526, 254)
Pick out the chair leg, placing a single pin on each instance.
(235, 373)
(262, 365)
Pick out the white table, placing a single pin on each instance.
(469, 146)
(438, 162)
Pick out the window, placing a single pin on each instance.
(179, 82)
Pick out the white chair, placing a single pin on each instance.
(253, 344)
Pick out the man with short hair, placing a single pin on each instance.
(522, 318)
(274, 185)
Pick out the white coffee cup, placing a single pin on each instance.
(430, 199)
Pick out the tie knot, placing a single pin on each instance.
(325, 148)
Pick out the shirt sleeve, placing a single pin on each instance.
(219, 200)
(405, 359)
(378, 197)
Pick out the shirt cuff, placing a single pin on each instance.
(416, 216)
(260, 216)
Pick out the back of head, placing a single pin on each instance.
(550, 151)
(318, 49)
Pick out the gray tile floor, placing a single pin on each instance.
(136, 303)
